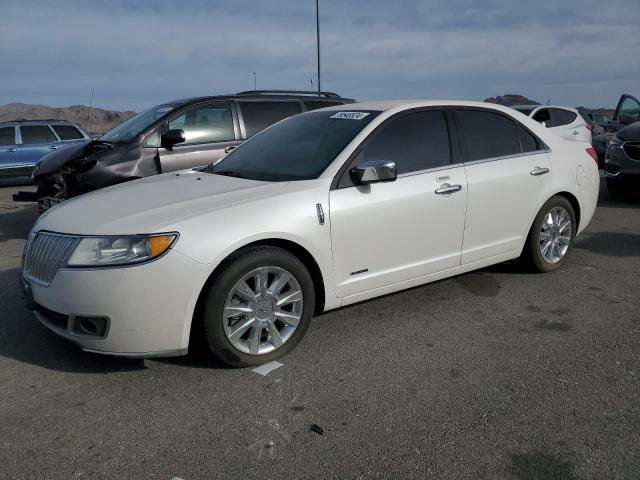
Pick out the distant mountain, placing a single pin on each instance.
(101, 120)
(509, 100)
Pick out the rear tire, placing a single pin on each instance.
(247, 327)
(551, 238)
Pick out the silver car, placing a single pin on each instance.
(24, 143)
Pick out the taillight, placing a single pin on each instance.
(592, 153)
(590, 127)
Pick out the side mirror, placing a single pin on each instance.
(374, 171)
(171, 137)
(626, 119)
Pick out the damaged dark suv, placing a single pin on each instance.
(176, 135)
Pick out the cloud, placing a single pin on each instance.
(140, 53)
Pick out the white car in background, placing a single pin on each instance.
(564, 121)
(323, 209)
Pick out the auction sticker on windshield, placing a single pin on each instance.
(350, 115)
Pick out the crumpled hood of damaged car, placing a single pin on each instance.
(52, 161)
(153, 204)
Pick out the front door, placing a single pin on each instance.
(386, 233)
(209, 132)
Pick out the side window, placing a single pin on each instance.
(153, 139)
(259, 115)
(316, 104)
(67, 132)
(543, 116)
(211, 122)
(486, 135)
(528, 142)
(416, 141)
(630, 108)
(34, 134)
(7, 136)
(562, 117)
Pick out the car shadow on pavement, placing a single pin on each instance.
(610, 244)
(17, 220)
(24, 339)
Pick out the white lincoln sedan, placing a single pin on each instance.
(321, 210)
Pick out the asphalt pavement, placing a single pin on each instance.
(496, 374)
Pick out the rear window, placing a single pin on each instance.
(487, 135)
(7, 136)
(316, 104)
(33, 134)
(528, 142)
(260, 115)
(67, 132)
(562, 117)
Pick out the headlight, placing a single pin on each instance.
(615, 143)
(118, 251)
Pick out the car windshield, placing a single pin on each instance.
(298, 148)
(137, 124)
(525, 110)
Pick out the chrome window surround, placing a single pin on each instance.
(475, 162)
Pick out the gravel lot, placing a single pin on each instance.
(493, 374)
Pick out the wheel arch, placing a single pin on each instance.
(575, 204)
(292, 247)
(571, 198)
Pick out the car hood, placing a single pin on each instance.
(53, 161)
(153, 204)
(630, 133)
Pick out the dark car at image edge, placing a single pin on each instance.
(622, 161)
(175, 135)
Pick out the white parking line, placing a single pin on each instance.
(267, 368)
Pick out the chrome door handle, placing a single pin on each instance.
(539, 171)
(12, 150)
(53, 147)
(446, 189)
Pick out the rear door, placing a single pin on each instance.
(35, 142)
(256, 115)
(508, 175)
(386, 233)
(9, 152)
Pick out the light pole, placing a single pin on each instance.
(318, 40)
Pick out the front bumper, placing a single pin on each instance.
(622, 172)
(148, 307)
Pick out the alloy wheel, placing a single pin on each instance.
(555, 235)
(263, 310)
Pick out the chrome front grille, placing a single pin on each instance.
(46, 254)
(632, 149)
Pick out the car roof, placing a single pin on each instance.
(533, 107)
(12, 123)
(264, 94)
(384, 105)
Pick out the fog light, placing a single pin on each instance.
(90, 326)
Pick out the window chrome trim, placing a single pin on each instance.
(430, 170)
(505, 157)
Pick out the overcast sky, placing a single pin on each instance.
(139, 53)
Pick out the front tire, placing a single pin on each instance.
(552, 236)
(259, 306)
